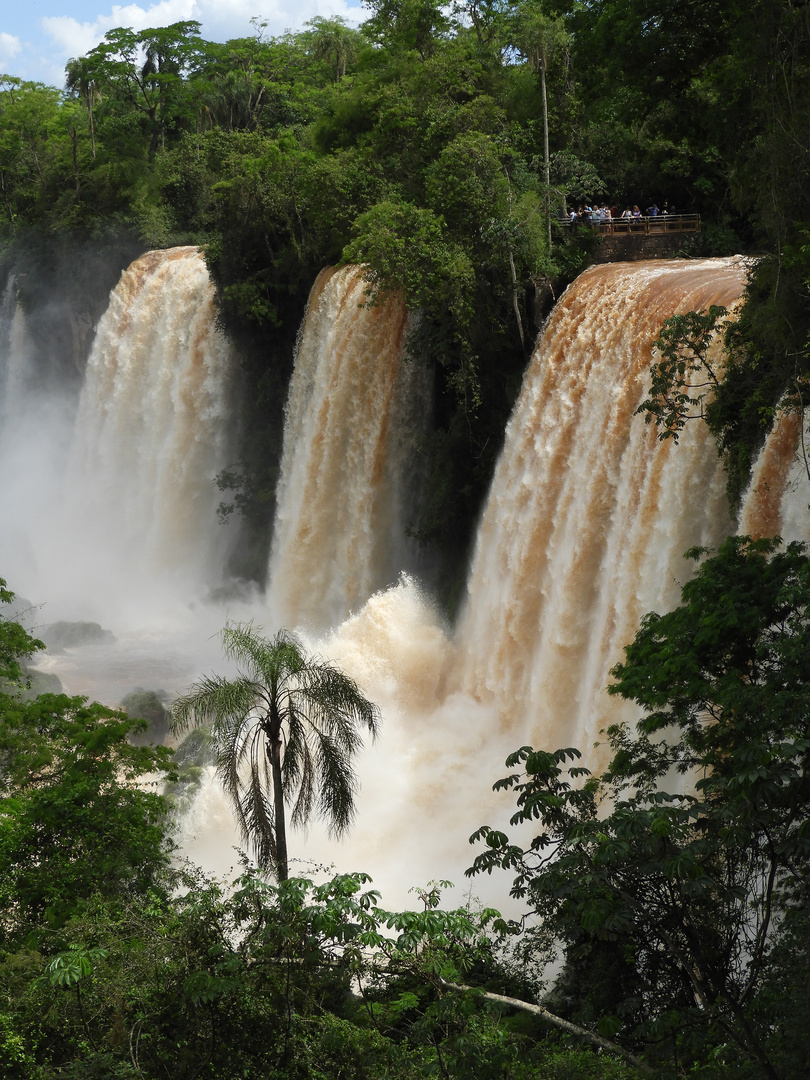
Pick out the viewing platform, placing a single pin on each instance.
(631, 239)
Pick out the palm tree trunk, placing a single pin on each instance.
(546, 163)
(92, 126)
(282, 867)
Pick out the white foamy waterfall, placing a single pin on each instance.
(36, 428)
(349, 471)
(136, 522)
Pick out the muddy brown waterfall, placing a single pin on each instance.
(582, 533)
(589, 512)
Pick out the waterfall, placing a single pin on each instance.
(15, 363)
(583, 531)
(129, 513)
(776, 502)
(356, 409)
(35, 432)
(589, 512)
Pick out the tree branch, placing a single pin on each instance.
(556, 1021)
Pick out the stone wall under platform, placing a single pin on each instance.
(633, 247)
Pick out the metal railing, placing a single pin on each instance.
(643, 226)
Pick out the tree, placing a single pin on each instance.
(684, 376)
(145, 69)
(690, 884)
(16, 644)
(80, 79)
(417, 25)
(540, 37)
(75, 817)
(405, 248)
(31, 150)
(333, 40)
(740, 389)
(285, 730)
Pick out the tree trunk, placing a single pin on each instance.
(92, 126)
(282, 866)
(74, 141)
(546, 163)
(515, 299)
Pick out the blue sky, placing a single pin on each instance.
(37, 37)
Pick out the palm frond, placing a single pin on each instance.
(292, 762)
(210, 699)
(271, 660)
(256, 819)
(337, 785)
(305, 796)
(333, 698)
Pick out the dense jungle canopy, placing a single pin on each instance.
(417, 144)
(439, 145)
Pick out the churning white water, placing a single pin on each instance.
(583, 532)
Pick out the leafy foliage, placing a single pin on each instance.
(675, 396)
(688, 883)
(72, 823)
(16, 644)
(73, 820)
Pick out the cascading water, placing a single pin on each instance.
(14, 357)
(589, 512)
(36, 423)
(584, 530)
(776, 502)
(152, 429)
(135, 518)
(355, 412)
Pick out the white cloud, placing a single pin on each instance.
(10, 46)
(41, 54)
(224, 19)
(220, 19)
(74, 38)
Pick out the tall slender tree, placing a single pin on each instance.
(80, 79)
(285, 730)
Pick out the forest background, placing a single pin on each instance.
(438, 145)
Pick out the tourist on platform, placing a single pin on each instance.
(652, 211)
(628, 213)
(636, 212)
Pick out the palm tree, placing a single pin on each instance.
(81, 78)
(333, 40)
(285, 731)
(540, 37)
